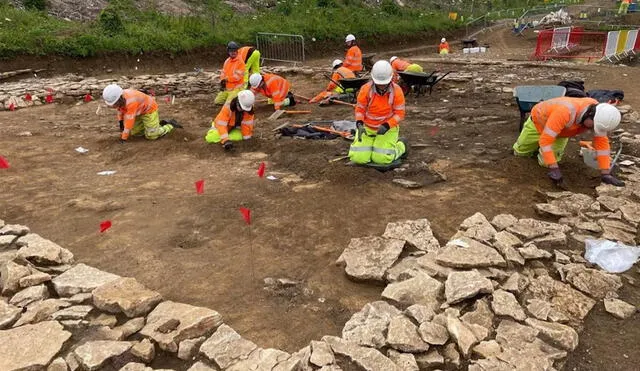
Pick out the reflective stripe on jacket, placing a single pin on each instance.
(276, 88)
(444, 45)
(400, 64)
(375, 109)
(137, 103)
(562, 117)
(338, 74)
(353, 59)
(226, 119)
(233, 72)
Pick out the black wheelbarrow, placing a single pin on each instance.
(528, 96)
(420, 82)
(367, 62)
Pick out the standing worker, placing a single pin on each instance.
(137, 113)
(353, 58)
(379, 110)
(443, 48)
(232, 78)
(624, 6)
(274, 87)
(554, 121)
(251, 58)
(333, 90)
(234, 122)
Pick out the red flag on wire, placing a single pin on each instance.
(4, 164)
(28, 97)
(434, 130)
(105, 225)
(48, 98)
(200, 186)
(261, 169)
(12, 107)
(246, 214)
(88, 98)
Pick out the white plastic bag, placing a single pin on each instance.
(613, 257)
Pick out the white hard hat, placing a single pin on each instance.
(443, 40)
(336, 63)
(111, 94)
(255, 80)
(246, 99)
(349, 37)
(382, 72)
(392, 59)
(606, 119)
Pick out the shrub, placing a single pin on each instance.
(110, 22)
(35, 4)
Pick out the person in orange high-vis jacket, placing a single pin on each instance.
(274, 87)
(232, 78)
(443, 48)
(379, 110)
(554, 121)
(401, 65)
(251, 58)
(137, 113)
(234, 122)
(333, 90)
(353, 58)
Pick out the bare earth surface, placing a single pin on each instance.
(196, 248)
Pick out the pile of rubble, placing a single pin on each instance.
(75, 87)
(559, 17)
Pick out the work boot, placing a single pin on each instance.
(406, 147)
(292, 101)
(228, 145)
(174, 123)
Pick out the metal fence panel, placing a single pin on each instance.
(631, 40)
(560, 39)
(579, 45)
(281, 47)
(612, 43)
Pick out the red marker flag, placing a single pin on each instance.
(200, 186)
(261, 169)
(434, 130)
(167, 99)
(48, 98)
(28, 97)
(88, 98)
(12, 107)
(4, 164)
(105, 225)
(246, 214)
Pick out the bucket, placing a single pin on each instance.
(589, 157)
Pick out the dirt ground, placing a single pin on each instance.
(197, 249)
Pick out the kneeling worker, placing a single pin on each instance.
(554, 121)
(234, 122)
(401, 65)
(443, 48)
(379, 110)
(137, 113)
(274, 87)
(333, 90)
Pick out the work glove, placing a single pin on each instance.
(556, 177)
(382, 130)
(121, 122)
(610, 179)
(228, 145)
(360, 129)
(223, 85)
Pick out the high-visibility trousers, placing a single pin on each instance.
(215, 134)
(149, 126)
(379, 149)
(252, 65)
(227, 95)
(624, 7)
(444, 51)
(527, 144)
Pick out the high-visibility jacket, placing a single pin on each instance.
(245, 52)
(136, 104)
(276, 88)
(400, 64)
(340, 73)
(228, 119)
(375, 109)
(561, 117)
(353, 59)
(233, 71)
(626, 1)
(442, 46)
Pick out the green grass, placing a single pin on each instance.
(124, 29)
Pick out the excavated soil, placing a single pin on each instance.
(197, 249)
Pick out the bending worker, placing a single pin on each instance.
(379, 110)
(353, 58)
(251, 58)
(554, 121)
(443, 48)
(400, 65)
(232, 78)
(137, 113)
(274, 87)
(234, 122)
(333, 90)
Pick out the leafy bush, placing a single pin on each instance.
(35, 4)
(110, 21)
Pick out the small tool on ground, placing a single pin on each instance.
(276, 115)
(341, 102)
